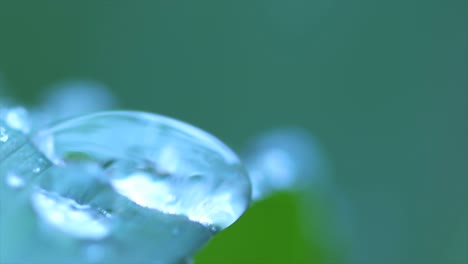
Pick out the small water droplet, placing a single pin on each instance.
(40, 165)
(14, 180)
(17, 118)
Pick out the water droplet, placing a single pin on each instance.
(40, 165)
(282, 159)
(14, 180)
(17, 118)
(60, 102)
(151, 160)
(136, 184)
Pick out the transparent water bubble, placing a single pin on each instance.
(156, 162)
(283, 159)
(127, 187)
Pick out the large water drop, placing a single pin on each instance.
(126, 187)
(156, 163)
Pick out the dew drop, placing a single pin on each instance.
(135, 184)
(153, 161)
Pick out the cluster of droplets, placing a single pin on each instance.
(128, 187)
(113, 187)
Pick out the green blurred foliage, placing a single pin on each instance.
(382, 84)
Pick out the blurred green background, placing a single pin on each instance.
(382, 84)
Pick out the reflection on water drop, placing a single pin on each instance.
(144, 191)
(282, 159)
(65, 214)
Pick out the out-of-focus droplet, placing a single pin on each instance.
(16, 118)
(72, 98)
(13, 180)
(283, 159)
